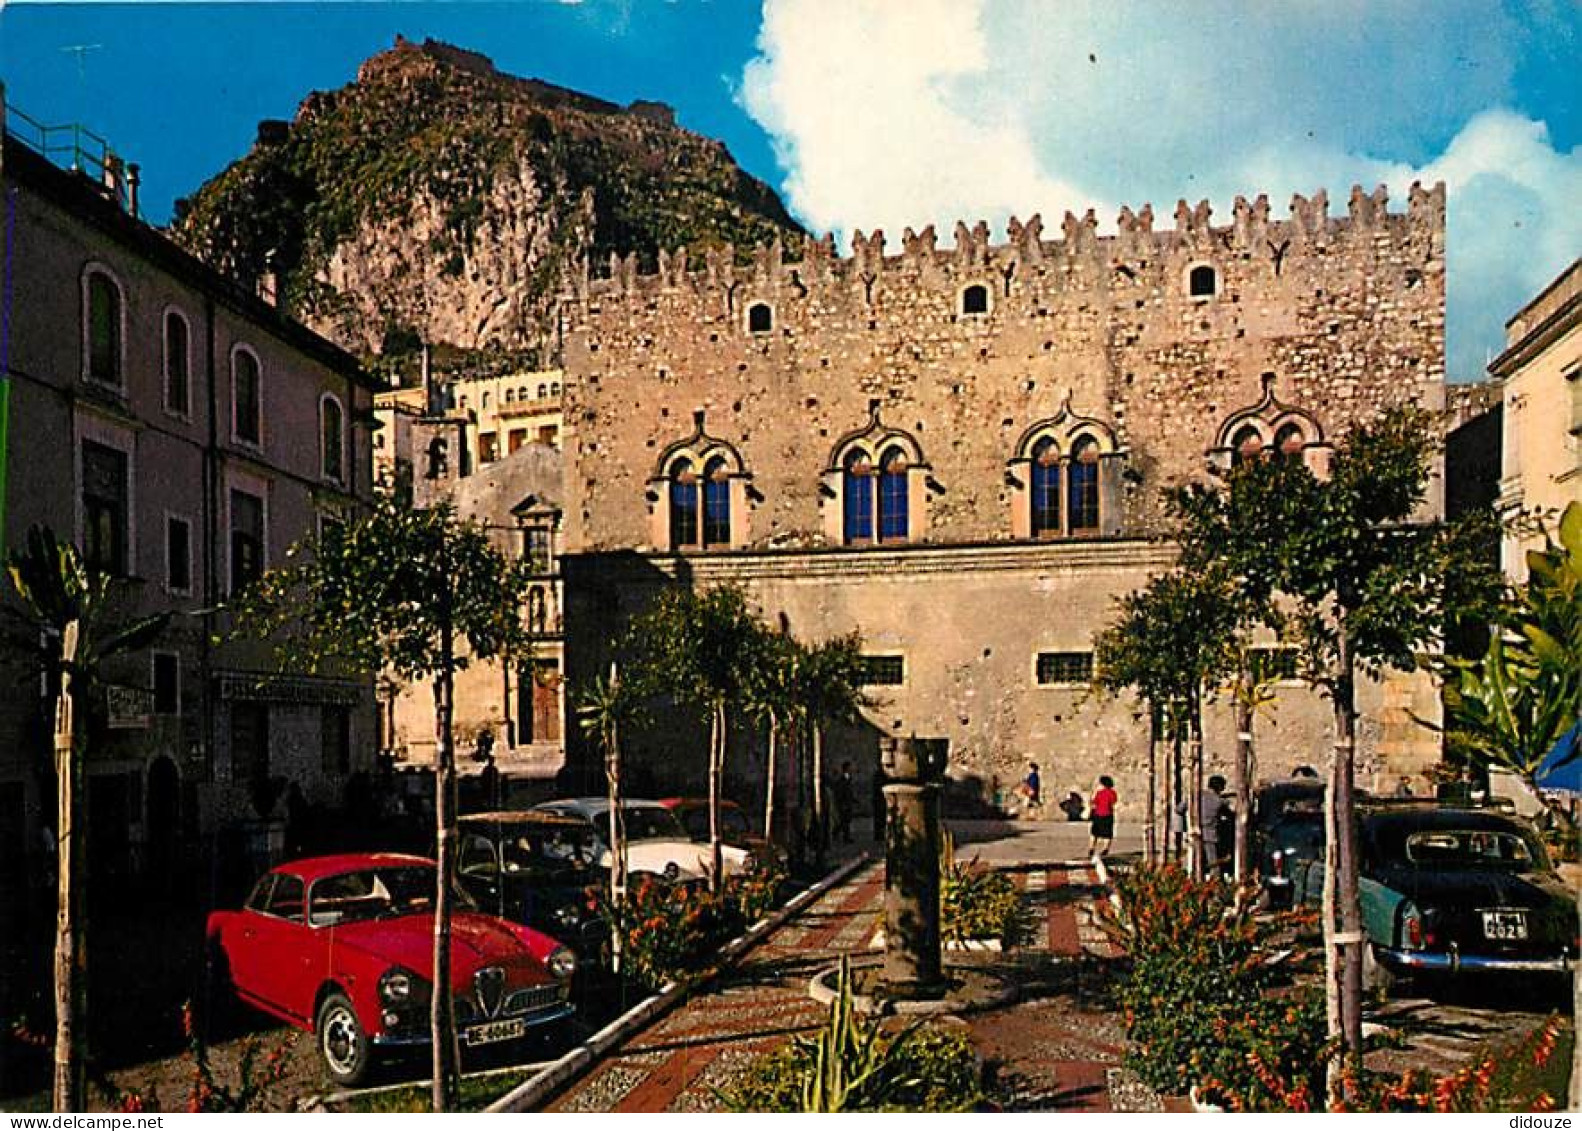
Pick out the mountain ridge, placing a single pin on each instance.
(438, 200)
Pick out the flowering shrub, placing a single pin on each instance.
(671, 931)
(667, 930)
(1199, 1001)
(756, 892)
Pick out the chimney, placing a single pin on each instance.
(134, 179)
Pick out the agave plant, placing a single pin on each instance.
(852, 1060)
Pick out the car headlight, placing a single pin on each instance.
(562, 963)
(397, 986)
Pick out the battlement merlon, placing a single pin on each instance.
(1135, 241)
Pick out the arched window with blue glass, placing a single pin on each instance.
(893, 524)
(857, 495)
(1083, 479)
(1046, 489)
(684, 525)
(716, 503)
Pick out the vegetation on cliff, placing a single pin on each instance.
(437, 199)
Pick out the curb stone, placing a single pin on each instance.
(529, 1094)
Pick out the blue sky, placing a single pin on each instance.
(891, 113)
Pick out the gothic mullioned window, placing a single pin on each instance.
(875, 486)
(1271, 429)
(698, 496)
(1065, 478)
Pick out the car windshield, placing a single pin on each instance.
(373, 893)
(1474, 848)
(540, 849)
(653, 824)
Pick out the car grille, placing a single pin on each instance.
(529, 1000)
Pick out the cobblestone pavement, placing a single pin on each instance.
(1057, 1049)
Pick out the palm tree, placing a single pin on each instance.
(603, 708)
(71, 630)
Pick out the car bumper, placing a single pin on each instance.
(1454, 962)
(422, 1037)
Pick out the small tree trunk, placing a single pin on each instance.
(769, 779)
(71, 973)
(1173, 793)
(1194, 814)
(1243, 773)
(1152, 831)
(612, 776)
(442, 1018)
(1343, 954)
(716, 772)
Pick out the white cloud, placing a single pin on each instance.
(901, 115)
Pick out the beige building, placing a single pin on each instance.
(1540, 375)
(183, 433)
(486, 418)
(442, 439)
(960, 453)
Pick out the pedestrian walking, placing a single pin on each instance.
(1102, 821)
(1211, 811)
(1032, 791)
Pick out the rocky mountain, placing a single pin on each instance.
(436, 199)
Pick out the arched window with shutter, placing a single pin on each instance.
(684, 525)
(1045, 489)
(1083, 477)
(893, 517)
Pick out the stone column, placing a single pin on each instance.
(913, 769)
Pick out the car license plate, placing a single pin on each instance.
(1504, 925)
(494, 1032)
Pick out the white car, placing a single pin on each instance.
(655, 841)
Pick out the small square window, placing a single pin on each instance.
(883, 671)
(975, 299)
(1056, 668)
(760, 319)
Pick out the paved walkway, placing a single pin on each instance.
(1058, 1048)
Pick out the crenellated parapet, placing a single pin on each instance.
(1079, 257)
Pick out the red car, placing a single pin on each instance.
(335, 945)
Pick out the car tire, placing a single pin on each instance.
(343, 1043)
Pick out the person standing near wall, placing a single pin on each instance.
(1102, 809)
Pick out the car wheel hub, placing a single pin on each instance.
(341, 1040)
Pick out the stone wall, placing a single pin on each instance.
(1319, 319)
(1347, 313)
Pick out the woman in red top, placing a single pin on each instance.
(1102, 808)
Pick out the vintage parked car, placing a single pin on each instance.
(337, 946)
(1456, 892)
(537, 869)
(735, 829)
(656, 842)
(1287, 832)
